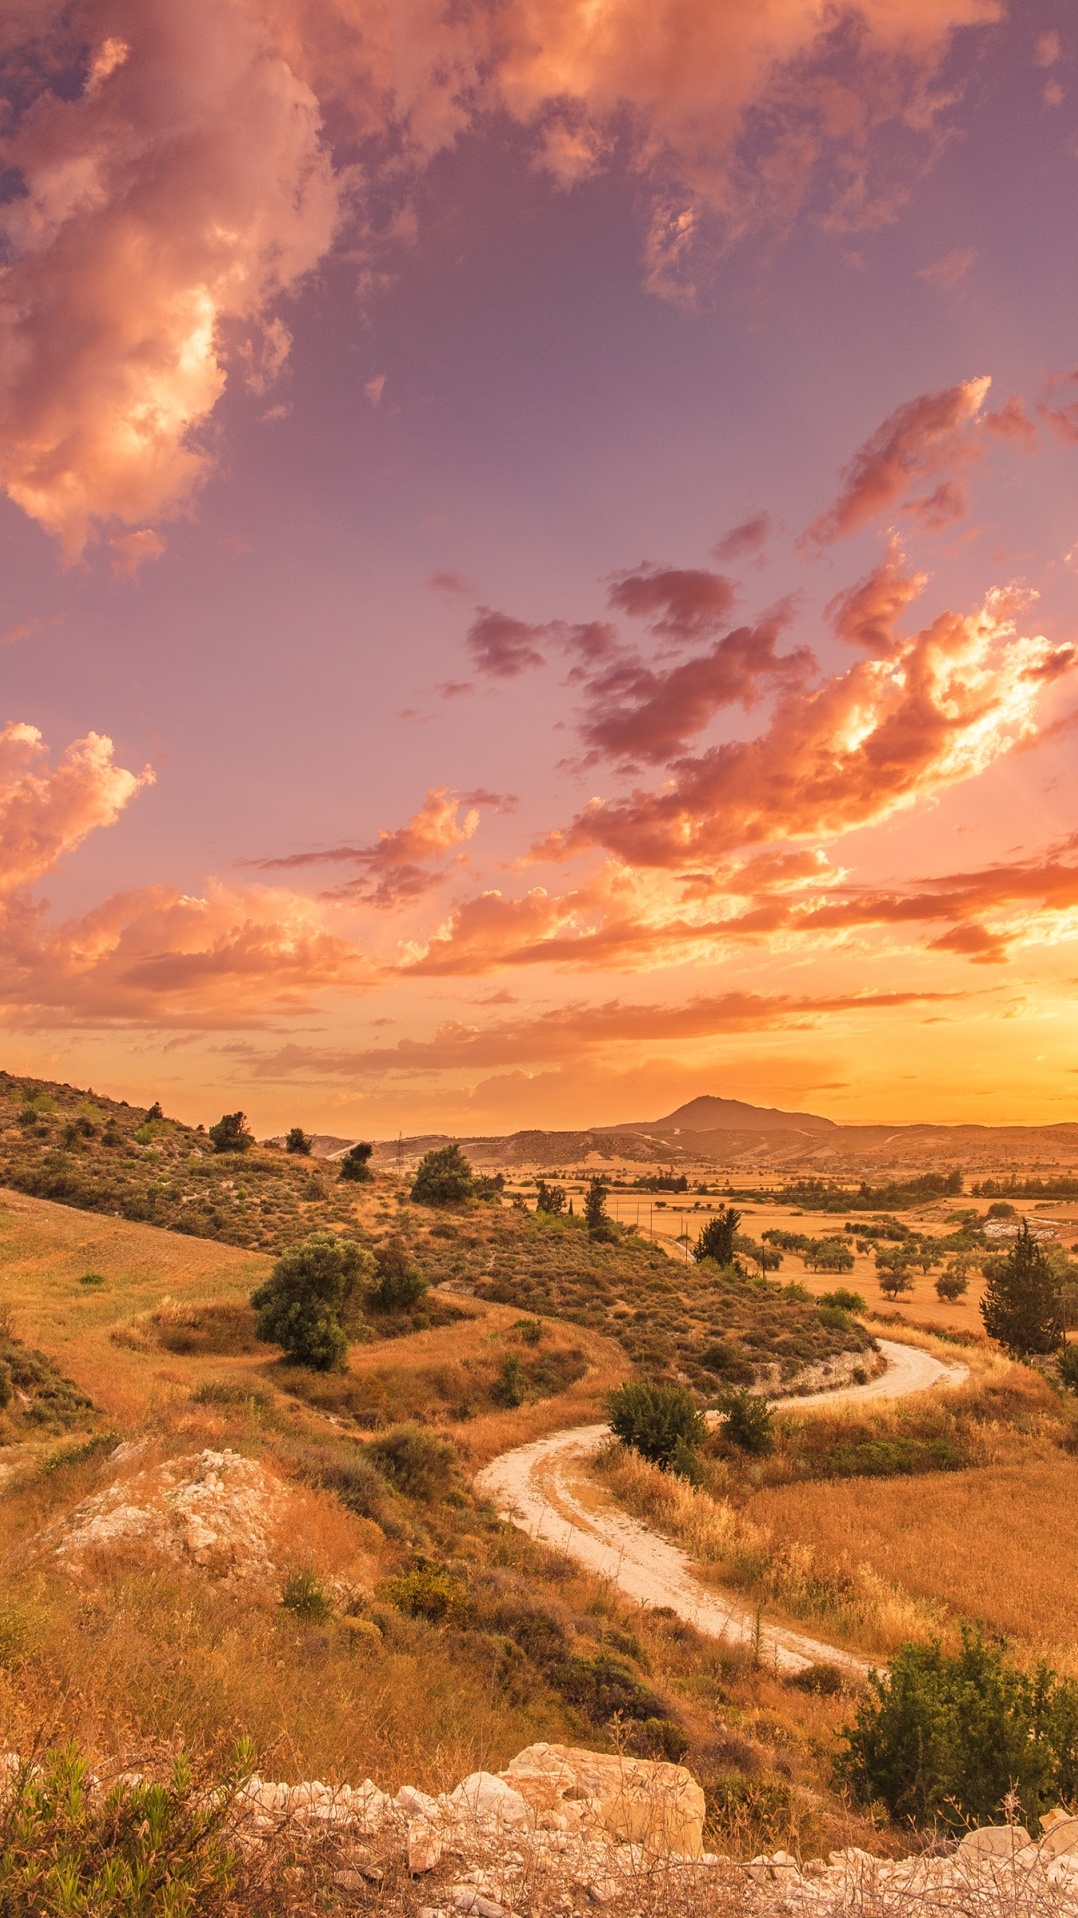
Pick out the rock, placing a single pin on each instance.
(1060, 1835)
(467, 1899)
(655, 1804)
(486, 1796)
(417, 1803)
(993, 1841)
(424, 1846)
(355, 1877)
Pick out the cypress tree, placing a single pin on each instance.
(1020, 1307)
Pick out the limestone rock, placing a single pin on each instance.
(484, 1795)
(424, 1846)
(1060, 1836)
(654, 1804)
(993, 1841)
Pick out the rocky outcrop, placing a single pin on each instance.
(659, 1806)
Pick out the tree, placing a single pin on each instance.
(354, 1163)
(550, 1198)
(828, 1255)
(895, 1281)
(311, 1301)
(443, 1177)
(943, 1738)
(398, 1284)
(232, 1133)
(716, 1241)
(155, 1111)
(1020, 1307)
(954, 1282)
(299, 1142)
(661, 1422)
(595, 1217)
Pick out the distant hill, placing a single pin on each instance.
(709, 1114)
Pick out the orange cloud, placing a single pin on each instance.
(933, 711)
(914, 442)
(394, 866)
(868, 614)
(156, 958)
(46, 811)
(568, 1031)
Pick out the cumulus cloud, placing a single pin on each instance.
(936, 709)
(680, 604)
(185, 167)
(47, 810)
(867, 615)
(157, 958)
(503, 647)
(178, 192)
(913, 443)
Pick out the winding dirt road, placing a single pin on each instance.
(546, 1490)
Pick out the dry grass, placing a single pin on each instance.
(998, 1544)
(794, 1581)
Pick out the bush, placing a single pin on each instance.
(414, 1460)
(944, 1738)
(310, 1301)
(747, 1423)
(509, 1388)
(399, 1284)
(298, 1141)
(93, 1279)
(304, 1594)
(427, 1592)
(231, 1133)
(355, 1163)
(842, 1300)
(550, 1198)
(135, 1849)
(661, 1422)
(443, 1177)
(1020, 1307)
(728, 1361)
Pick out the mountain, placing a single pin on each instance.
(709, 1114)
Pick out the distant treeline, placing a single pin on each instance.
(1013, 1188)
(818, 1195)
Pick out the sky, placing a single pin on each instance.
(539, 558)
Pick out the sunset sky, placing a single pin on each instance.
(540, 557)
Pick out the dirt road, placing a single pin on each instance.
(545, 1489)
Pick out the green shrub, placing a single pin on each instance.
(952, 1284)
(398, 1284)
(298, 1142)
(728, 1361)
(943, 1738)
(747, 1423)
(305, 1595)
(415, 1461)
(825, 1681)
(310, 1301)
(231, 1133)
(135, 1849)
(355, 1163)
(427, 1592)
(443, 1177)
(509, 1388)
(94, 1279)
(842, 1300)
(661, 1422)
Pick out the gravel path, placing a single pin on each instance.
(545, 1489)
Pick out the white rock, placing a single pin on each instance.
(418, 1803)
(483, 1795)
(424, 1846)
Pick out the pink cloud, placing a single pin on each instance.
(937, 709)
(681, 605)
(47, 810)
(637, 713)
(503, 647)
(950, 271)
(132, 550)
(748, 537)
(912, 444)
(450, 582)
(396, 868)
(868, 614)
